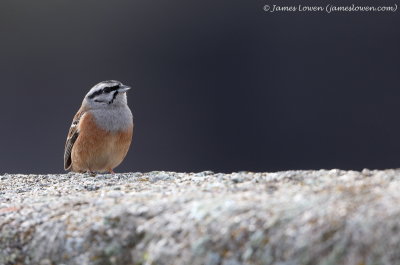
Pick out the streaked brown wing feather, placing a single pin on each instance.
(71, 139)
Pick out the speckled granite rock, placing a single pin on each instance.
(287, 218)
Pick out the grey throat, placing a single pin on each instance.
(113, 118)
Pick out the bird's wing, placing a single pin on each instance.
(72, 136)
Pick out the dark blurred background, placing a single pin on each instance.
(218, 85)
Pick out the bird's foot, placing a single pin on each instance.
(92, 173)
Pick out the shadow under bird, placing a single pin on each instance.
(101, 131)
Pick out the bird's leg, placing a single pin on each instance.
(111, 171)
(91, 173)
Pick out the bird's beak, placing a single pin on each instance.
(124, 88)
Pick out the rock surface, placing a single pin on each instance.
(287, 218)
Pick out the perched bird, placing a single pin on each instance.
(101, 131)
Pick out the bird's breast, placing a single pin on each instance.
(114, 119)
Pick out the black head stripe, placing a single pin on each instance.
(114, 96)
(104, 90)
(110, 89)
(96, 93)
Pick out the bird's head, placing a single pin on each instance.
(106, 94)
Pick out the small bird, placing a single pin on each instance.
(101, 131)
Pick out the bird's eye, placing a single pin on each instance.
(110, 89)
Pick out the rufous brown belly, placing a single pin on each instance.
(98, 150)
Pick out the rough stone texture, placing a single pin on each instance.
(286, 218)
